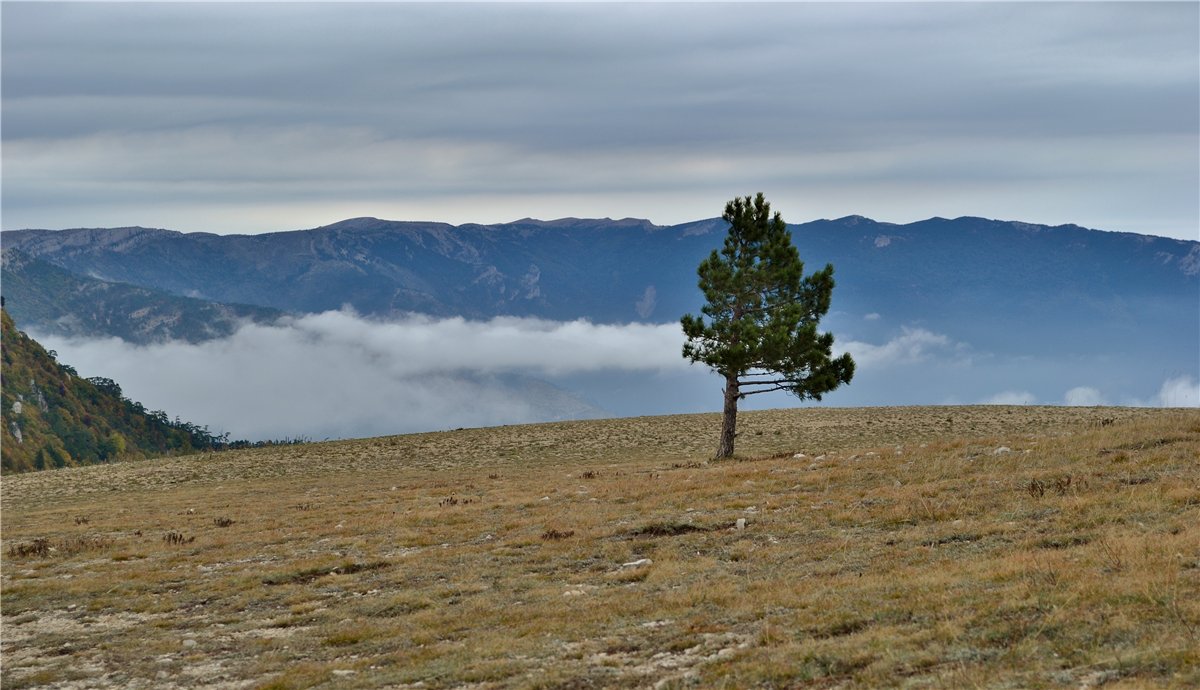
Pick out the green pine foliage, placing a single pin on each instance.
(50, 417)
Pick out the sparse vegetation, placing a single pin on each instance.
(895, 552)
(39, 548)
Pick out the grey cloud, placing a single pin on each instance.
(624, 76)
(899, 111)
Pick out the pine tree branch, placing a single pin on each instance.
(774, 382)
(743, 394)
(771, 382)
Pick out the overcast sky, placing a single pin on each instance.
(247, 118)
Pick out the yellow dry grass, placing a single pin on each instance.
(911, 547)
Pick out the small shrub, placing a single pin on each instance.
(1062, 485)
(39, 547)
(1036, 488)
(1112, 559)
(177, 538)
(306, 575)
(1063, 541)
(667, 529)
(82, 519)
(555, 535)
(772, 636)
(74, 545)
(842, 628)
(346, 638)
(399, 607)
(630, 575)
(222, 522)
(590, 474)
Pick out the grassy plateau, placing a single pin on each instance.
(952, 547)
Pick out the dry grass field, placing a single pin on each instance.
(955, 547)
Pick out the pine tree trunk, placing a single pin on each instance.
(729, 422)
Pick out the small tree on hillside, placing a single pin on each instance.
(760, 333)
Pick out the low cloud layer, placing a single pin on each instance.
(337, 375)
(1180, 391)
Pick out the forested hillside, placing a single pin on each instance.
(53, 418)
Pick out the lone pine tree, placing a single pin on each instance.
(762, 312)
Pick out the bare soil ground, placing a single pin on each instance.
(876, 547)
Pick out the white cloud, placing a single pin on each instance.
(1183, 391)
(1010, 398)
(1179, 391)
(911, 346)
(336, 374)
(1084, 396)
(873, 316)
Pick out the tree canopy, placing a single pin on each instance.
(758, 328)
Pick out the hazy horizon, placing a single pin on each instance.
(790, 222)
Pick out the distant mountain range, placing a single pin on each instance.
(1013, 285)
(938, 311)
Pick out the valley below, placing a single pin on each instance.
(979, 546)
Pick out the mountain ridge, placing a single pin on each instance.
(576, 220)
(604, 270)
(65, 303)
(937, 311)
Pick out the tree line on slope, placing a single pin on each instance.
(51, 417)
